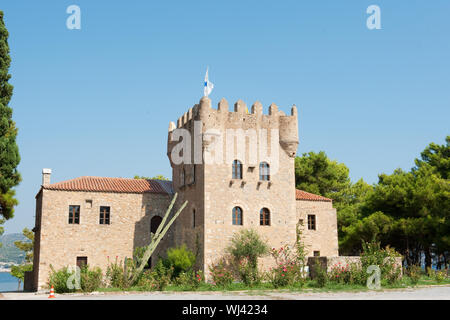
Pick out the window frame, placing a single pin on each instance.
(264, 217)
(312, 222)
(237, 216)
(81, 259)
(237, 170)
(264, 171)
(105, 216)
(74, 216)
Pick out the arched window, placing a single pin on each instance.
(264, 171)
(264, 217)
(237, 216)
(237, 169)
(154, 224)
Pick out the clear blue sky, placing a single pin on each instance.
(98, 101)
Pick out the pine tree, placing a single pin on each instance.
(9, 151)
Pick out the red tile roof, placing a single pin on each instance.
(119, 185)
(303, 195)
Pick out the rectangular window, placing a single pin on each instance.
(193, 218)
(74, 214)
(311, 222)
(316, 253)
(104, 215)
(81, 262)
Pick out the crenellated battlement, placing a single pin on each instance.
(204, 111)
(241, 117)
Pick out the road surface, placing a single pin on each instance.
(422, 293)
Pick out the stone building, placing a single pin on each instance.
(100, 220)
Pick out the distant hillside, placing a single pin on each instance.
(8, 251)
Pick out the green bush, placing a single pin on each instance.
(180, 259)
(440, 275)
(162, 275)
(221, 273)
(414, 273)
(58, 279)
(246, 247)
(321, 276)
(90, 279)
(385, 259)
(430, 273)
(341, 273)
(147, 281)
(115, 275)
(190, 280)
(288, 268)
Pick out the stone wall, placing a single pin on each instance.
(330, 262)
(324, 239)
(59, 243)
(215, 193)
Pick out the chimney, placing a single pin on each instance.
(46, 173)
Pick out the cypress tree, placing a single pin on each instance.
(9, 151)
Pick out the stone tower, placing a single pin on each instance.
(203, 149)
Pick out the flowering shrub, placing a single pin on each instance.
(221, 274)
(340, 273)
(287, 270)
(115, 275)
(372, 254)
(147, 281)
(190, 279)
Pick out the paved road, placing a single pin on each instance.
(424, 293)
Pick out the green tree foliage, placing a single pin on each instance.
(27, 246)
(19, 271)
(180, 258)
(2, 221)
(246, 247)
(157, 177)
(437, 157)
(409, 211)
(9, 152)
(248, 244)
(316, 173)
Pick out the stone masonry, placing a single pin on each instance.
(206, 224)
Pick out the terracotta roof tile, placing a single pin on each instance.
(303, 195)
(119, 185)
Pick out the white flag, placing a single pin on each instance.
(208, 85)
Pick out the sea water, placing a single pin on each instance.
(8, 282)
